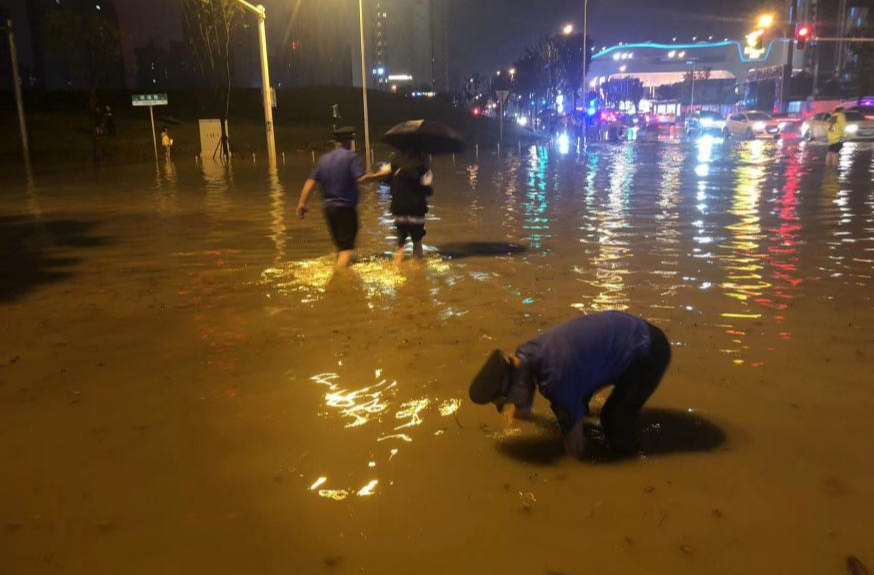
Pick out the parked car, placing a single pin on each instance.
(790, 126)
(865, 110)
(751, 125)
(859, 127)
(704, 123)
(815, 128)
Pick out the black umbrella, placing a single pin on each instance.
(426, 136)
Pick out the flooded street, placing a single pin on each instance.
(187, 387)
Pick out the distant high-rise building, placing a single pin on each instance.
(320, 46)
(440, 45)
(409, 44)
(841, 19)
(84, 60)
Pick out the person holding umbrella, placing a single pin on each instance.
(411, 182)
(411, 178)
(339, 172)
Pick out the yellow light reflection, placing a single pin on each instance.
(318, 483)
(449, 407)
(367, 490)
(335, 494)
(411, 410)
(309, 279)
(359, 404)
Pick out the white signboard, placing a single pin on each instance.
(211, 136)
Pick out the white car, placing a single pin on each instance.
(751, 125)
(816, 127)
(858, 127)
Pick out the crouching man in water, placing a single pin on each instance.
(571, 362)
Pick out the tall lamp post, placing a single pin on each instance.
(367, 157)
(692, 61)
(261, 13)
(19, 102)
(585, 69)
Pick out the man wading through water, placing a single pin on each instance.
(338, 172)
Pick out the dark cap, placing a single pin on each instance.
(345, 134)
(489, 385)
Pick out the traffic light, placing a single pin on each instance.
(802, 35)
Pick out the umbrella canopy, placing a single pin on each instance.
(425, 136)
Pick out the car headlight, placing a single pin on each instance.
(852, 128)
(759, 126)
(781, 125)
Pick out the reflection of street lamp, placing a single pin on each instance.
(261, 13)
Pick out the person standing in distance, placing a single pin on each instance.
(836, 134)
(338, 172)
(571, 362)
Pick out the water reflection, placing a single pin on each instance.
(369, 406)
(609, 223)
(278, 228)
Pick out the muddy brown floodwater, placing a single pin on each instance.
(185, 386)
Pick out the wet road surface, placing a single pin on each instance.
(186, 386)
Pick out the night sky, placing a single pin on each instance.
(488, 34)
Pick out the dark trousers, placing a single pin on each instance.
(632, 390)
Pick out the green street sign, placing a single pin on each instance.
(149, 99)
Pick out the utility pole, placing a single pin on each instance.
(367, 157)
(787, 68)
(585, 70)
(19, 101)
(266, 90)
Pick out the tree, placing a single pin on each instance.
(210, 27)
(90, 42)
(531, 79)
(862, 67)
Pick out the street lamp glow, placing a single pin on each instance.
(568, 29)
(512, 71)
(766, 20)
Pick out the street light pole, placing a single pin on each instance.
(261, 13)
(19, 102)
(585, 70)
(692, 95)
(367, 157)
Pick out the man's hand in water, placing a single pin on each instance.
(523, 412)
(302, 211)
(575, 440)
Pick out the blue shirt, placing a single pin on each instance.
(338, 172)
(571, 362)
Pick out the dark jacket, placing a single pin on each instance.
(410, 187)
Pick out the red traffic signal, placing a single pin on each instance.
(802, 35)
